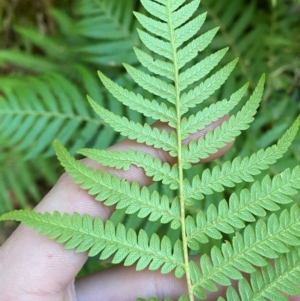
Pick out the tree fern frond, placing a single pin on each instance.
(111, 190)
(83, 233)
(262, 196)
(122, 160)
(266, 240)
(239, 169)
(136, 131)
(272, 282)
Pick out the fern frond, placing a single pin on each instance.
(207, 88)
(154, 85)
(239, 169)
(245, 44)
(249, 233)
(135, 131)
(197, 122)
(224, 133)
(201, 69)
(122, 160)
(191, 50)
(266, 240)
(110, 28)
(24, 192)
(111, 190)
(272, 282)
(97, 32)
(188, 30)
(184, 13)
(156, 45)
(160, 28)
(50, 100)
(263, 196)
(83, 233)
(153, 109)
(157, 66)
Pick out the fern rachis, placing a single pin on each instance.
(253, 225)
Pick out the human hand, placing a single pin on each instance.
(34, 268)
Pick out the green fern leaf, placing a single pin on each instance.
(152, 84)
(245, 231)
(201, 69)
(122, 160)
(136, 102)
(83, 233)
(249, 250)
(262, 197)
(190, 51)
(239, 169)
(226, 132)
(205, 89)
(142, 133)
(158, 67)
(156, 45)
(116, 191)
(271, 283)
(210, 114)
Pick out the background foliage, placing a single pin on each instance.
(48, 62)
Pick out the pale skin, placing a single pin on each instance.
(34, 268)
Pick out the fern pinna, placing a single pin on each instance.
(257, 227)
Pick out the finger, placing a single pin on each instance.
(132, 284)
(48, 268)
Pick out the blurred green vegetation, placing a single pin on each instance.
(50, 52)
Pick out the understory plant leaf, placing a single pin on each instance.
(250, 234)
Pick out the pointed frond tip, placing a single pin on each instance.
(83, 233)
